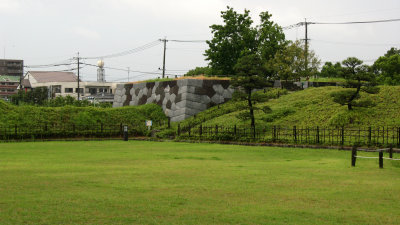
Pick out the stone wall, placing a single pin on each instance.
(179, 99)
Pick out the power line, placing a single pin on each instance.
(189, 41)
(127, 52)
(357, 22)
(355, 43)
(339, 23)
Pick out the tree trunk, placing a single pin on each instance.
(251, 109)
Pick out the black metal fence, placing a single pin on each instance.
(380, 136)
(66, 131)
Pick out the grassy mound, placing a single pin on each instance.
(309, 108)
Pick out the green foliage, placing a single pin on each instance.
(289, 62)
(331, 70)
(249, 75)
(33, 115)
(236, 37)
(37, 96)
(271, 116)
(387, 67)
(199, 71)
(358, 79)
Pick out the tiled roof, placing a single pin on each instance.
(4, 78)
(52, 76)
(26, 83)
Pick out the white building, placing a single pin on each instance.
(66, 83)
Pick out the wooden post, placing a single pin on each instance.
(216, 129)
(369, 135)
(353, 156)
(342, 142)
(380, 159)
(391, 151)
(201, 129)
(125, 133)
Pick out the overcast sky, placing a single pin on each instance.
(51, 31)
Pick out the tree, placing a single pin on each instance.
(331, 70)
(288, 63)
(249, 75)
(358, 79)
(387, 67)
(237, 37)
(199, 71)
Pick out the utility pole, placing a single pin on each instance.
(79, 91)
(165, 49)
(306, 47)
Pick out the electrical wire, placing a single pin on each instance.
(354, 43)
(127, 52)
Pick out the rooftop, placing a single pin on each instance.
(6, 78)
(53, 76)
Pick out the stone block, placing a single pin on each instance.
(191, 97)
(123, 98)
(195, 82)
(218, 88)
(172, 98)
(205, 99)
(217, 99)
(145, 90)
(227, 94)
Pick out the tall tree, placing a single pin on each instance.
(331, 70)
(358, 79)
(237, 37)
(288, 63)
(387, 67)
(249, 75)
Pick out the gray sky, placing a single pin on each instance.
(51, 31)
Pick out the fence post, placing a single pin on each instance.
(380, 159)
(179, 129)
(353, 156)
(101, 127)
(369, 135)
(16, 130)
(234, 129)
(342, 142)
(169, 122)
(317, 135)
(216, 129)
(295, 134)
(274, 134)
(201, 129)
(391, 151)
(125, 133)
(189, 131)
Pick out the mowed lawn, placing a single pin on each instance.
(138, 182)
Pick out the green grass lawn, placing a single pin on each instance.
(135, 182)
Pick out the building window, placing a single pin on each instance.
(69, 90)
(92, 91)
(56, 88)
(80, 90)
